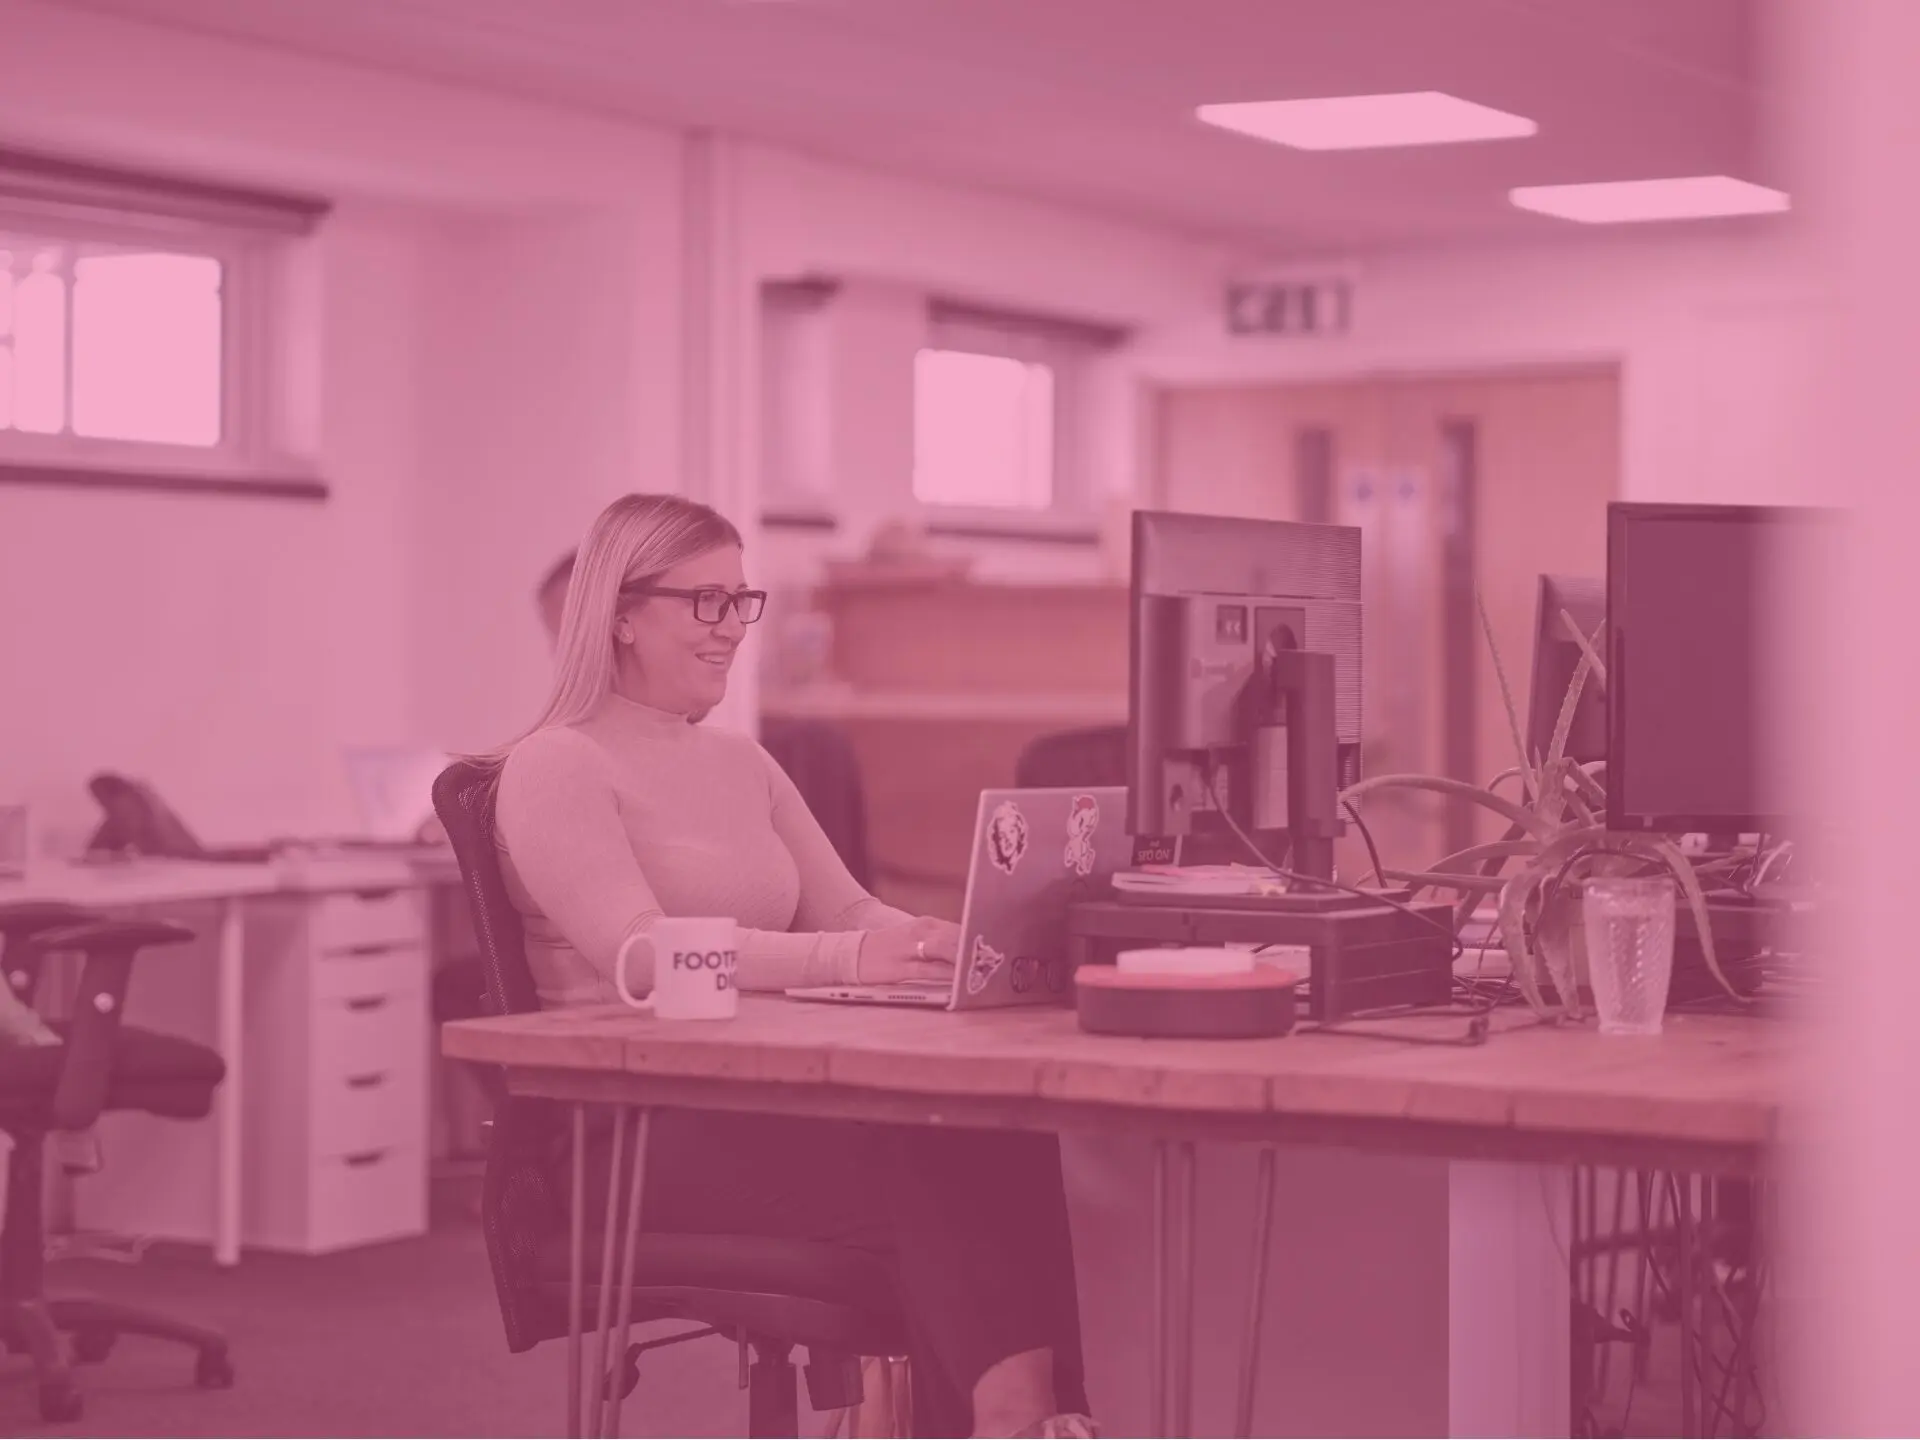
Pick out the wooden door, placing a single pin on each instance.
(1462, 486)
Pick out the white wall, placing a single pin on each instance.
(226, 648)
(216, 645)
(1707, 326)
(899, 241)
(550, 386)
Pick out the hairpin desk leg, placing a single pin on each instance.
(576, 1267)
(1162, 1327)
(636, 1190)
(1186, 1232)
(1257, 1295)
(1689, 1300)
(609, 1232)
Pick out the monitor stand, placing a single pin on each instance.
(1293, 902)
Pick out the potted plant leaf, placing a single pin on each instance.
(1556, 839)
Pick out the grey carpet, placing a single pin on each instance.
(405, 1339)
(399, 1339)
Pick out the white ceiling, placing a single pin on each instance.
(1091, 101)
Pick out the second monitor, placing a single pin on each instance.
(1556, 658)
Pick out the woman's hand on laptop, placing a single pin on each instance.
(922, 949)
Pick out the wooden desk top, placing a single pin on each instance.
(1705, 1095)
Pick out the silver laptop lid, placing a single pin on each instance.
(1035, 852)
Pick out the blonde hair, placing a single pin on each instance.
(636, 539)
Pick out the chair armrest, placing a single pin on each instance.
(21, 925)
(109, 947)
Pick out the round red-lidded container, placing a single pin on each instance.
(1257, 1004)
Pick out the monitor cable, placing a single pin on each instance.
(1477, 1015)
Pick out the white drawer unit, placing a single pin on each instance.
(367, 922)
(336, 1053)
(368, 1194)
(342, 1160)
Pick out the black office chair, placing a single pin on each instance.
(1092, 757)
(768, 1295)
(98, 1065)
(819, 758)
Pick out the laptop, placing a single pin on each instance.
(1035, 852)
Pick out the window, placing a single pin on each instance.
(983, 431)
(136, 325)
(1001, 415)
(110, 344)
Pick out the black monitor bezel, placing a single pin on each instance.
(1622, 517)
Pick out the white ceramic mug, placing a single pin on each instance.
(693, 963)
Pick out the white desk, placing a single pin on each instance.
(161, 883)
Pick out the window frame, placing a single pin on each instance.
(247, 361)
(1070, 352)
(256, 236)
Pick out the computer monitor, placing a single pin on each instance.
(1245, 652)
(1689, 596)
(1556, 656)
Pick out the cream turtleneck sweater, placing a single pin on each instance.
(635, 814)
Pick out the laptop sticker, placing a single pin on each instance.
(1006, 837)
(1083, 820)
(1155, 850)
(984, 965)
(1026, 971)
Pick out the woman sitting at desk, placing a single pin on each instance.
(617, 809)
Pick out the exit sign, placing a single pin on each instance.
(1289, 307)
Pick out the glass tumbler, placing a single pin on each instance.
(1629, 933)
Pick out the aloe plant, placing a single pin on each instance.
(1556, 838)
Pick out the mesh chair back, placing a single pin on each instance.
(1091, 758)
(463, 799)
(520, 1205)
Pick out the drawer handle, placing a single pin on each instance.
(374, 897)
(366, 1158)
(372, 947)
(363, 1003)
(366, 1082)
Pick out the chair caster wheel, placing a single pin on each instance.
(90, 1347)
(623, 1375)
(213, 1370)
(59, 1402)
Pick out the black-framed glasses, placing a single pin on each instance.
(710, 602)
